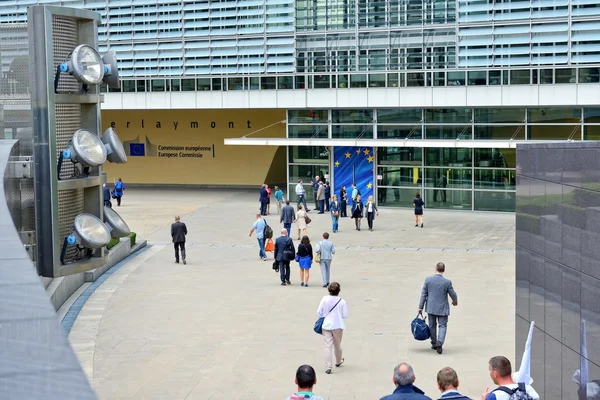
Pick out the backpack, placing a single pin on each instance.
(518, 393)
(357, 191)
(267, 232)
(289, 253)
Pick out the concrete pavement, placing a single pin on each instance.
(223, 328)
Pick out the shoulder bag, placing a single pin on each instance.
(319, 324)
(318, 254)
(307, 219)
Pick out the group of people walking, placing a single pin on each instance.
(116, 193)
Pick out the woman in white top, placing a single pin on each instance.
(335, 310)
(371, 209)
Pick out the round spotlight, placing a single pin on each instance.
(86, 148)
(86, 65)
(116, 225)
(114, 147)
(111, 71)
(89, 231)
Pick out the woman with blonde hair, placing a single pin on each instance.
(301, 221)
(371, 209)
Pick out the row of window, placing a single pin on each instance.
(372, 80)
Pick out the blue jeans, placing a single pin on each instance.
(334, 222)
(284, 271)
(261, 248)
(326, 271)
(288, 227)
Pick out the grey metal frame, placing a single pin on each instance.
(43, 102)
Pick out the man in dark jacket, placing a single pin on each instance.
(404, 377)
(447, 382)
(106, 194)
(288, 216)
(283, 243)
(178, 232)
(264, 200)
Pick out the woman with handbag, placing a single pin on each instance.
(357, 211)
(301, 221)
(371, 209)
(333, 310)
(335, 213)
(304, 257)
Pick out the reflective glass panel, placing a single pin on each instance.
(447, 199)
(352, 116)
(307, 154)
(400, 176)
(448, 178)
(499, 115)
(499, 179)
(495, 201)
(399, 155)
(592, 115)
(308, 131)
(500, 132)
(495, 158)
(554, 115)
(129, 86)
(352, 131)
(591, 132)
(448, 132)
(399, 115)
(307, 116)
(399, 132)
(448, 115)
(395, 197)
(554, 132)
(203, 84)
(456, 157)
(188, 85)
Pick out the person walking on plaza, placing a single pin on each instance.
(327, 195)
(335, 213)
(306, 379)
(435, 293)
(259, 227)
(106, 195)
(371, 209)
(264, 200)
(326, 249)
(501, 374)
(404, 379)
(334, 309)
(419, 204)
(268, 199)
(447, 383)
(315, 186)
(301, 194)
(284, 253)
(118, 191)
(357, 211)
(287, 216)
(321, 197)
(304, 258)
(343, 202)
(279, 198)
(355, 193)
(301, 221)
(178, 232)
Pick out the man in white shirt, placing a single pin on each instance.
(501, 374)
(301, 195)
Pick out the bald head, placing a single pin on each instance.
(284, 232)
(404, 374)
(258, 215)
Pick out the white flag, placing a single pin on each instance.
(524, 373)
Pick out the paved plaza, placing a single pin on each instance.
(222, 327)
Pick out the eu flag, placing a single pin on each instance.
(137, 149)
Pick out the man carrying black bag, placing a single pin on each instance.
(284, 253)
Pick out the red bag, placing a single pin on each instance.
(270, 246)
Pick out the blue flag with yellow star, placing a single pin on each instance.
(354, 164)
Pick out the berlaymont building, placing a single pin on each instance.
(398, 96)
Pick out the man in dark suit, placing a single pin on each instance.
(284, 253)
(106, 195)
(435, 293)
(288, 216)
(447, 382)
(178, 232)
(264, 200)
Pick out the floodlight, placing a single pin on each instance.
(114, 147)
(88, 232)
(111, 72)
(116, 225)
(85, 64)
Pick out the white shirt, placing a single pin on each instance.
(370, 207)
(335, 318)
(299, 189)
(499, 395)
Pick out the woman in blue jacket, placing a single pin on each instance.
(357, 211)
(118, 191)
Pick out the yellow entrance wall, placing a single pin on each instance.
(178, 146)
